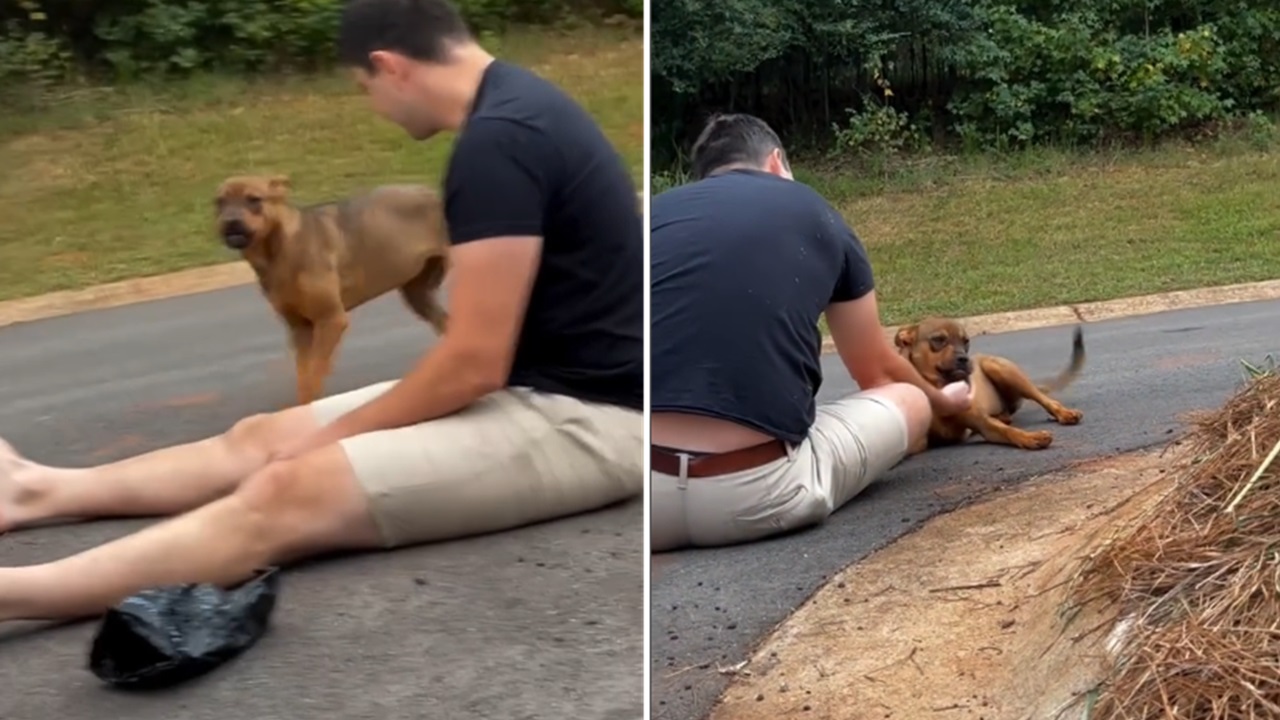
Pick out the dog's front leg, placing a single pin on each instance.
(326, 336)
(301, 338)
(994, 431)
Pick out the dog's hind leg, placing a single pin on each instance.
(994, 431)
(1014, 385)
(420, 295)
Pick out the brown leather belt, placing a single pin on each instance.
(712, 465)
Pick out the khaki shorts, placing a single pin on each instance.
(515, 457)
(853, 442)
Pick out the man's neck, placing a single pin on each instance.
(736, 166)
(467, 67)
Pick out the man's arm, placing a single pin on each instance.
(871, 359)
(495, 198)
(853, 318)
(489, 291)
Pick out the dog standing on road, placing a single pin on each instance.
(939, 351)
(316, 264)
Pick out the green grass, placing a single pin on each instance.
(112, 183)
(971, 235)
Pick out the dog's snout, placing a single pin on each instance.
(962, 360)
(235, 233)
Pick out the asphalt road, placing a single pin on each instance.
(710, 607)
(541, 623)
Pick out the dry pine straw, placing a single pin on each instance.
(1197, 579)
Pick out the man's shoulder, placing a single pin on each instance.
(732, 193)
(673, 197)
(522, 98)
(521, 112)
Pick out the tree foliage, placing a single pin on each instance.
(889, 74)
(45, 40)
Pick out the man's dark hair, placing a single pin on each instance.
(732, 139)
(420, 29)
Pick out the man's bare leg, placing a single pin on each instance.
(163, 482)
(284, 512)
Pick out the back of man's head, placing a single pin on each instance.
(422, 30)
(735, 139)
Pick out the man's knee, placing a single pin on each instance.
(250, 433)
(313, 496)
(911, 402)
(263, 434)
(273, 508)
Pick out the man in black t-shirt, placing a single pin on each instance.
(529, 408)
(743, 263)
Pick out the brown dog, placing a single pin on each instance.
(316, 264)
(939, 351)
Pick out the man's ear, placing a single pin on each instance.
(774, 164)
(279, 186)
(385, 62)
(906, 336)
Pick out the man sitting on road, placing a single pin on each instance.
(743, 262)
(528, 409)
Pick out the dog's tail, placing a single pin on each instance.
(1072, 371)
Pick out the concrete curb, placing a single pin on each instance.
(232, 274)
(127, 292)
(1110, 309)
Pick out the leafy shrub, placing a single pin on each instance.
(126, 39)
(983, 73)
(30, 53)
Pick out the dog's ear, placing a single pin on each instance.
(279, 186)
(906, 336)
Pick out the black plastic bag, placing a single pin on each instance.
(164, 636)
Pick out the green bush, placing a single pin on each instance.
(883, 77)
(44, 40)
(147, 37)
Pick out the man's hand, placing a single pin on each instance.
(957, 397)
(872, 360)
(489, 284)
(323, 437)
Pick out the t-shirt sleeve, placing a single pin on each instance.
(855, 279)
(498, 182)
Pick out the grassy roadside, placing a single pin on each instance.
(112, 184)
(967, 236)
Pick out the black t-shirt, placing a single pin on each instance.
(531, 161)
(742, 266)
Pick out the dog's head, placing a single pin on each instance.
(938, 348)
(249, 208)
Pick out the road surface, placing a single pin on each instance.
(709, 607)
(544, 623)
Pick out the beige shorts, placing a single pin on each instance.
(515, 457)
(853, 442)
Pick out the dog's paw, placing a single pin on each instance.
(1037, 440)
(1067, 416)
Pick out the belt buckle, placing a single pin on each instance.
(682, 477)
